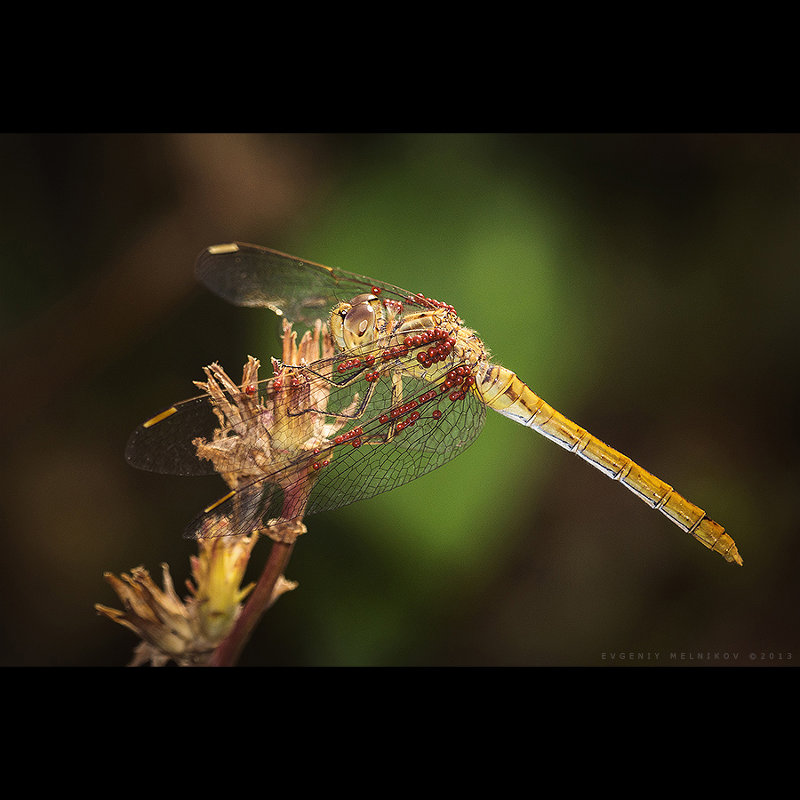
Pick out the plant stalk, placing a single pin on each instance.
(228, 652)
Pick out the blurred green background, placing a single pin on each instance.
(645, 285)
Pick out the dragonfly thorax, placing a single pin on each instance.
(357, 324)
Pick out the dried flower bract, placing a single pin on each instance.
(262, 430)
(185, 631)
(268, 434)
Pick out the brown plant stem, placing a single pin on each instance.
(228, 652)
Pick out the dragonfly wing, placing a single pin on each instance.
(360, 461)
(443, 431)
(167, 442)
(300, 290)
(241, 511)
(164, 442)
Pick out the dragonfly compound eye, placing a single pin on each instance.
(360, 322)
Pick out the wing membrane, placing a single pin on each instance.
(300, 290)
(349, 467)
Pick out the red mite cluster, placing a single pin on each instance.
(437, 352)
(429, 302)
(441, 345)
(277, 383)
(460, 378)
(434, 354)
(417, 299)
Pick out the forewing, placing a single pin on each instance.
(300, 290)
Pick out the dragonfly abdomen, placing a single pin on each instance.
(503, 391)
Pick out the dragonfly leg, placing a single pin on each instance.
(344, 414)
(343, 384)
(397, 398)
(391, 425)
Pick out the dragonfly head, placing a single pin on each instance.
(357, 324)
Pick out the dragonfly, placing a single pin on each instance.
(387, 386)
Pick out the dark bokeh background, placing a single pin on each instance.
(645, 285)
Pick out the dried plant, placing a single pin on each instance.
(184, 631)
(259, 431)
